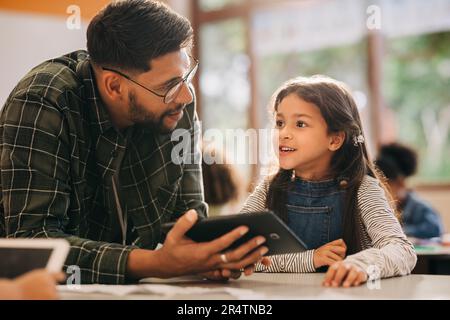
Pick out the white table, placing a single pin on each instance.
(306, 286)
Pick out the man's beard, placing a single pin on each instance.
(142, 117)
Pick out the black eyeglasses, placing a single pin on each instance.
(173, 91)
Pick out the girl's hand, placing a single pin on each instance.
(345, 274)
(38, 284)
(330, 253)
(222, 275)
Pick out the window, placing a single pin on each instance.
(224, 79)
(210, 5)
(417, 87)
(399, 74)
(225, 89)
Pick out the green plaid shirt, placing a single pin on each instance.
(59, 154)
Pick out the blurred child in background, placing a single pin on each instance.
(399, 162)
(222, 185)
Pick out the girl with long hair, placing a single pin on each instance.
(328, 191)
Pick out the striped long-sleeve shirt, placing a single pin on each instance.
(386, 251)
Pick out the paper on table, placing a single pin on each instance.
(175, 280)
(162, 290)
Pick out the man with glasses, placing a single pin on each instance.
(86, 153)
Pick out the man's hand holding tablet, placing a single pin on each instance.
(181, 256)
(279, 238)
(239, 236)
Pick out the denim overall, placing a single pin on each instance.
(315, 211)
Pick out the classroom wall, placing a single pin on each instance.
(34, 31)
(29, 40)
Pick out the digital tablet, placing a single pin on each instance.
(279, 238)
(18, 256)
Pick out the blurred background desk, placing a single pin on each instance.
(298, 286)
(432, 259)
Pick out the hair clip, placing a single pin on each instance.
(358, 140)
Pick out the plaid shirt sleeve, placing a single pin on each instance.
(191, 195)
(35, 185)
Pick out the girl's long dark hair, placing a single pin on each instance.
(350, 163)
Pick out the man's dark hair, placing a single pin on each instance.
(129, 34)
(397, 160)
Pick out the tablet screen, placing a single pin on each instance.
(16, 261)
(279, 238)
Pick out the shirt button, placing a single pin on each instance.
(343, 184)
